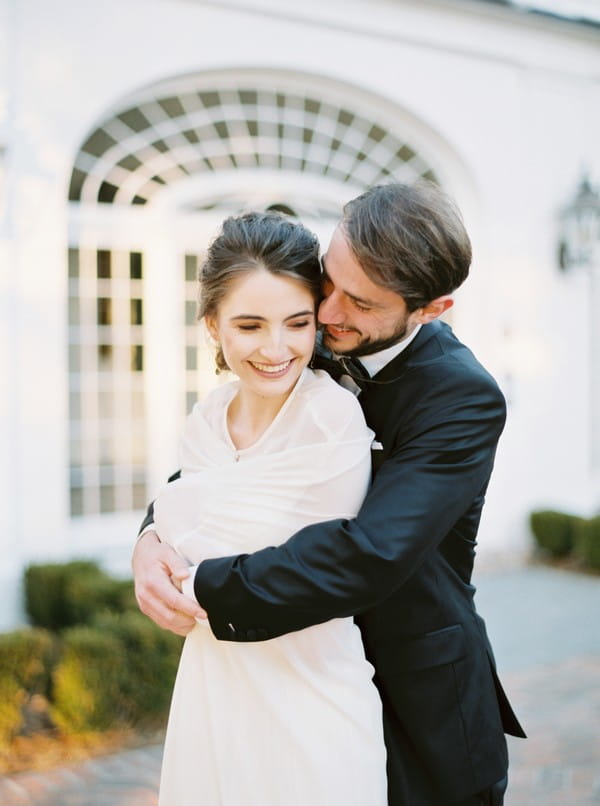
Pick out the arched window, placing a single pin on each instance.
(223, 135)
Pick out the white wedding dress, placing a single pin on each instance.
(296, 720)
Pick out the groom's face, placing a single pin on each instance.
(359, 316)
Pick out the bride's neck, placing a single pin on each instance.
(249, 416)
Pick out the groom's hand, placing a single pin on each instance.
(158, 572)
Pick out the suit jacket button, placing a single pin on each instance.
(251, 634)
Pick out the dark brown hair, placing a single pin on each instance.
(270, 241)
(410, 239)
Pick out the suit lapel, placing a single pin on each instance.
(420, 349)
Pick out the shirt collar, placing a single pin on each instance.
(377, 361)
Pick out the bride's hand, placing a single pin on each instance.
(158, 573)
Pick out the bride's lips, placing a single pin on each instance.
(271, 370)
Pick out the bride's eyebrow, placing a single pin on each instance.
(300, 313)
(264, 319)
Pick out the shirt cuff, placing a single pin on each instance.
(187, 585)
(150, 527)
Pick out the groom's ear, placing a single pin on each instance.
(433, 309)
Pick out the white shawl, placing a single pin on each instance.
(312, 464)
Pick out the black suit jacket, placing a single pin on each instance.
(403, 568)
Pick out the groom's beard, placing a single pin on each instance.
(368, 345)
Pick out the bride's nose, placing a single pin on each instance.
(274, 347)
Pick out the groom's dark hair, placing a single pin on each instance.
(410, 239)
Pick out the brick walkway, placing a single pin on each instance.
(545, 627)
(559, 764)
(124, 779)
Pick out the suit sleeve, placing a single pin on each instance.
(441, 462)
(149, 517)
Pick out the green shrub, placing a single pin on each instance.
(587, 542)
(12, 699)
(118, 672)
(554, 531)
(87, 595)
(151, 660)
(25, 658)
(87, 691)
(116, 668)
(63, 595)
(46, 592)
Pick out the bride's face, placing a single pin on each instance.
(266, 325)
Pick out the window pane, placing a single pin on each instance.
(137, 402)
(191, 358)
(103, 263)
(73, 262)
(190, 401)
(190, 312)
(137, 358)
(74, 358)
(105, 404)
(74, 405)
(76, 453)
(191, 268)
(136, 312)
(73, 311)
(105, 451)
(105, 357)
(104, 309)
(107, 498)
(135, 265)
(140, 499)
(76, 501)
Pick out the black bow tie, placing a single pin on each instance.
(337, 366)
(355, 369)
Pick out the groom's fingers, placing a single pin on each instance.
(169, 595)
(173, 620)
(153, 562)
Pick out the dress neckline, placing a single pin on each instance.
(239, 452)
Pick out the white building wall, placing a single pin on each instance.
(504, 106)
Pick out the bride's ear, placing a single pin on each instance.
(210, 324)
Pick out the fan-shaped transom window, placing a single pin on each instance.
(141, 149)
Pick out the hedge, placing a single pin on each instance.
(117, 673)
(25, 659)
(61, 595)
(152, 657)
(587, 542)
(554, 531)
(97, 661)
(87, 681)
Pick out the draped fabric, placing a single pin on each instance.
(294, 720)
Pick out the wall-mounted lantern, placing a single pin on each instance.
(580, 236)
(579, 247)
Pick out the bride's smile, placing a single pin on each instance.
(266, 327)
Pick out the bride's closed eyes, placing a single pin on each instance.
(295, 326)
(294, 322)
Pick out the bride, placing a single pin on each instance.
(295, 720)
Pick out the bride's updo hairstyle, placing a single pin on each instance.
(270, 241)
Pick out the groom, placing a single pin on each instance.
(403, 566)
